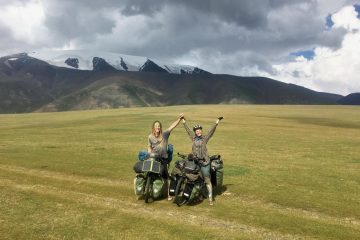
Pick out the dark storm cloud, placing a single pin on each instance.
(250, 14)
(68, 20)
(288, 28)
(136, 7)
(268, 26)
(262, 30)
(192, 24)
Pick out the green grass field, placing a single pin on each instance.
(291, 172)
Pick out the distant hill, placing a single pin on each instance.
(351, 99)
(29, 84)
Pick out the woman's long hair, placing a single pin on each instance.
(153, 128)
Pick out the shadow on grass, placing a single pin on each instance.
(220, 190)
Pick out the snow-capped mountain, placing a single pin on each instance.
(95, 60)
(54, 81)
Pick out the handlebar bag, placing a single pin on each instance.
(151, 166)
(191, 167)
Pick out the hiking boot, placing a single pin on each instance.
(211, 202)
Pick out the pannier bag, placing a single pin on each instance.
(143, 154)
(187, 191)
(216, 162)
(138, 167)
(158, 187)
(179, 166)
(217, 178)
(196, 191)
(176, 171)
(139, 182)
(173, 183)
(193, 176)
(217, 172)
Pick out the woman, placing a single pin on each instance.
(158, 141)
(199, 150)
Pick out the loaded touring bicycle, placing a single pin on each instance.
(149, 182)
(187, 183)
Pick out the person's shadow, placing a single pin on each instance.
(220, 190)
(216, 191)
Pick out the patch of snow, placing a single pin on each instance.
(85, 58)
(175, 68)
(133, 63)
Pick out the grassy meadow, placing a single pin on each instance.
(291, 172)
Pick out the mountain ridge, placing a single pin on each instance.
(86, 60)
(28, 84)
(351, 99)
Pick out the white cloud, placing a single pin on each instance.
(247, 38)
(25, 20)
(330, 70)
(346, 18)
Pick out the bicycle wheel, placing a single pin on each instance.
(179, 200)
(147, 192)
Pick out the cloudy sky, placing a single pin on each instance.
(312, 43)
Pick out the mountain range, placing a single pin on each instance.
(97, 60)
(77, 80)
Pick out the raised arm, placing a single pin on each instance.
(174, 124)
(212, 130)
(189, 132)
